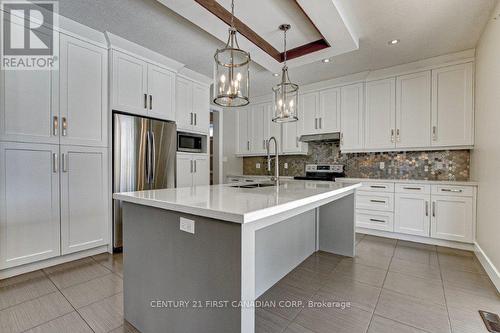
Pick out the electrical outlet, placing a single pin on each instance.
(285, 165)
(187, 225)
(382, 165)
(257, 165)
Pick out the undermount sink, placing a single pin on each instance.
(255, 185)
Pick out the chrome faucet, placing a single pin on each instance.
(276, 177)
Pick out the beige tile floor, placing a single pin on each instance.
(391, 286)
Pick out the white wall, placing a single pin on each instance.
(486, 154)
(231, 163)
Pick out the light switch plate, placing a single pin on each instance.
(285, 166)
(257, 165)
(187, 225)
(382, 165)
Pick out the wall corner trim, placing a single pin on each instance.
(488, 266)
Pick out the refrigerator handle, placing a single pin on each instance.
(153, 158)
(148, 156)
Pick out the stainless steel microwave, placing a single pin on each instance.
(189, 142)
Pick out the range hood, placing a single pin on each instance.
(325, 137)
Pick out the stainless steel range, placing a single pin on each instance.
(327, 172)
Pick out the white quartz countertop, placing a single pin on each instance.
(241, 205)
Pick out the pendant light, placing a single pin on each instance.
(231, 72)
(286, 93)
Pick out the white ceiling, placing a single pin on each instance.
(426, 28)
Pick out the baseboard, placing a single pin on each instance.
(488, 266)
(417, 239)
(14, 271)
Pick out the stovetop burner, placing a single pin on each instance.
(326, 172)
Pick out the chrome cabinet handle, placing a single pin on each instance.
(195, 119)
(297, 141)
(64, 131)
(191, 165)
(426, 208)
(376, 220)
(377, 186)
(451, 190)
(64, 162)
(434, 209)
(55, 125)
(320, 123)
(412, 188)
(145, 101)
(248, 145)
(392, 135)
(191, 121)
(434, 133)
(315, 123)
(195, 166)
(377, 201)
(151, 102)
(398, 138)
(55, 163)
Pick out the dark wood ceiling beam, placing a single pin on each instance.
(311, 47)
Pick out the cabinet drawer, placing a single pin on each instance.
(375, 220)
(375, 201)
(462, 191)
(377, 187)
(413, 188)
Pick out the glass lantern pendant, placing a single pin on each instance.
(231, 72)
(286, 93)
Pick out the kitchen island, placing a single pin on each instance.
(197, 258)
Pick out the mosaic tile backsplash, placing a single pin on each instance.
(418, 165)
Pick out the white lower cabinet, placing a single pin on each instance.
(84, 198)
(441, 211)
(452, 218)
(412, 214)
(29, 203)
(192, 170)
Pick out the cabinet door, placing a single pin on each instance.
(452, 218)
(257, 139)
(413, 110)
(161, 89)
(201, 174)
(201, 107)
(291, 135)
(129, 84)
(309, 104)
(84, 198)
(380, 114)
(28, 105)
(412, 214)
(453, 106)
(83, 93)
(29, 203)
(352, 105)
(329, 111)
(242, 123)
(184, 171)
(184, 103)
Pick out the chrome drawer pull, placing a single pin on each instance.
(378, 201)
(377, 186)
(412, 188)
(427, 208)
(379, 221)
(451, 190)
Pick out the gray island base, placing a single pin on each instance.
(207, 281)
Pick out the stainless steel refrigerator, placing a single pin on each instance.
(144, 152)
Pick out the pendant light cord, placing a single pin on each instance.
(232, 14)
(284, 63)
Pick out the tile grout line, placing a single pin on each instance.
(444, 292)
(382, 288)
(67, 300)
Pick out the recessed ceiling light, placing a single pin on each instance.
(276, 74)
(393, 42)
(327, 60)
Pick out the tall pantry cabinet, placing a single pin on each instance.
(54, 156)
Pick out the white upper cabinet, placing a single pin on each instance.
(192, 106)
(309, 104)
(329, 111)
(142, 88)
(271, 128)
(29, 203)
(413, 110)
(291, 135)
(243, 120)
(380, 114)
(257, 118)
(453, 106)
(83, 93)
(84, 198)
(352, 108)
(161, 89)
(129, 89)
(29, 106)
